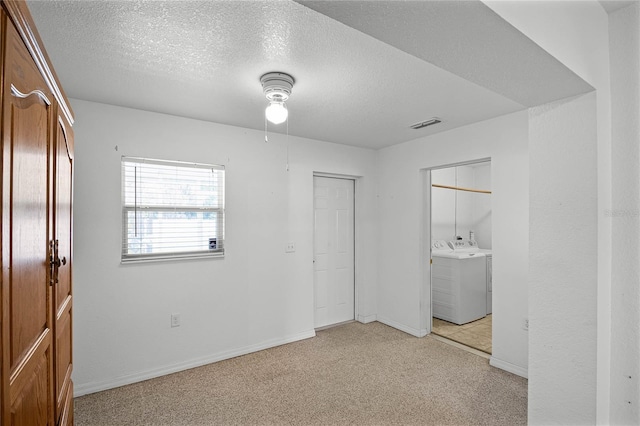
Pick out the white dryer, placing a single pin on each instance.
(458, 282)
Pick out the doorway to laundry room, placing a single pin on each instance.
(461, 254)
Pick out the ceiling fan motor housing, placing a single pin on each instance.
(277, 86)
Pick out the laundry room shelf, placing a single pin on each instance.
(459, 188)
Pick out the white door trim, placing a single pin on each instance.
(426, 312)
(425, 255)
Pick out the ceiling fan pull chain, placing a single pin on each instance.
(287, 145)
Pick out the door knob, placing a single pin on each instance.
(59, 262)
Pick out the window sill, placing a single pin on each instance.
(170, 258)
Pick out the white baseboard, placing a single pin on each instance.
(87, 388)
(366, 319)
(507, 366)
(410, 330)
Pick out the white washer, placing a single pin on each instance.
(458, 282)
(471, 246)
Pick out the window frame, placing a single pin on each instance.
(126, 209)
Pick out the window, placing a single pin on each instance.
(171, 209)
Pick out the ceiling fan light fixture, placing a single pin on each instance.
(277, 89)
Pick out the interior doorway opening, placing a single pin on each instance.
(461, 257)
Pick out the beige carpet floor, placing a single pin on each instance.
(352, 374)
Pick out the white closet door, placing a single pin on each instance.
(333, 250)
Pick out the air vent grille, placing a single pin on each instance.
(426, 123)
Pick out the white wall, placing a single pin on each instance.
(456, 213)
(402, 262)
(256, 297)
(482, 205)
(443, 206)
(576, 33)
(451, 211)
(625, 213)
(563, 269)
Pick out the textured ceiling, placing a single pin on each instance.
(466, 38)
(203, 59)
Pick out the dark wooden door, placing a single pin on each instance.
(27, 316)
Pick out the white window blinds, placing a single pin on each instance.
(171, 209)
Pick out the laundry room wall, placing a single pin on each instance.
(257, 296)
(443, 206)
(482, 205)
(401, 192)
(456, 213)
(451, 211)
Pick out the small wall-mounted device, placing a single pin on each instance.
(213, 243)
(175, 320)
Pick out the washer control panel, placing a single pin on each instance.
(440, 245)
(455, 245)
(464, 245)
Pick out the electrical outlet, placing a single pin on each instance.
(291, 247)
(175, 320)
(525, 324)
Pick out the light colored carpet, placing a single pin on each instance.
(352, 374)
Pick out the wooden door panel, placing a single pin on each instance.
(30, 406)
(63, 354)
(62, 285)
(28, 274)
(26, 223)
(66, 417)
(63, 210)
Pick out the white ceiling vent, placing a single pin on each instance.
(426, 123)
